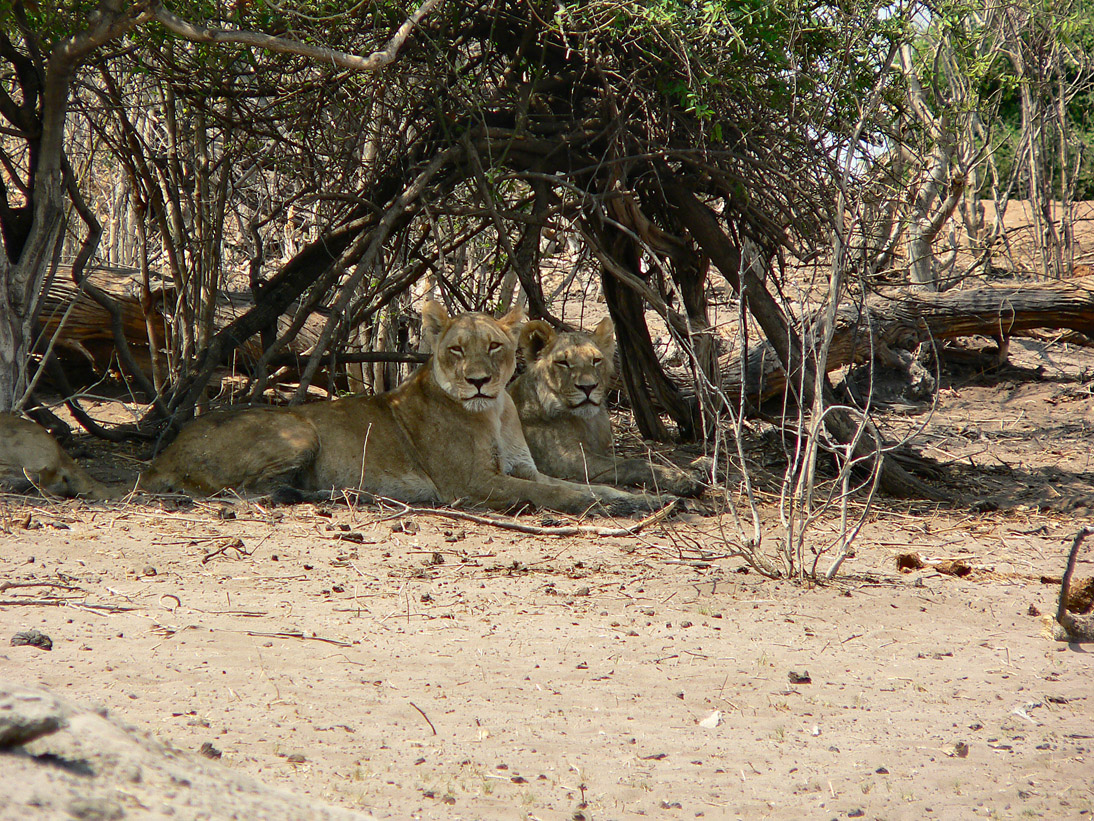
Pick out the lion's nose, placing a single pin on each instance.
(588, 389)
(478, 381)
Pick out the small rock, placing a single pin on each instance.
(711, 721)
(148, 570)
(954, 567)
(799, 678)
(32, 638)
(296, 758)
(855, 813)
(209, 751)
(961, 749)
(907, 562)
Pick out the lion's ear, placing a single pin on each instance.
(512, 319)
(604, 337)
(434, 320)
(534, 337)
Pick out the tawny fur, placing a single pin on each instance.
(560, 401)
(450, 433)
(28, 451)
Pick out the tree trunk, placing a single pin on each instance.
(21, 281)
(13, 353)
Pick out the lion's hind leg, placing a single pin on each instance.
(252, 449)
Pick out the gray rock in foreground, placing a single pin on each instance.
(61, 761)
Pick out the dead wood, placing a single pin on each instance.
(1069, 626)
(538, 530)
(84, 330)
(909, 319)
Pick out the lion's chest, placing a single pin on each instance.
(493, 448)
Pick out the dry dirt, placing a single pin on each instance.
(417, 666)
(421, 667)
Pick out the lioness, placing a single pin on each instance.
(450, 432)
(560, 400)
(27, 451)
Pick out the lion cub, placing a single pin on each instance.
(560, 400)
(27, 451)
(449, 433)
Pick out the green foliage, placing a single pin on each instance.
(1033, 46)
(814, 60)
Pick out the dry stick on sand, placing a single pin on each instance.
(295, 634)
(230, 544)
(95, 608)
(10, 585)
(427, 721)
(1073, 628)
(539, 530)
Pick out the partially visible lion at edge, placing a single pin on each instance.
(449, 434)
(560, 401)
(28, 453)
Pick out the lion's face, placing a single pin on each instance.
(474, 355)
(571, 371)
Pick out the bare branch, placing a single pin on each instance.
(377, 60)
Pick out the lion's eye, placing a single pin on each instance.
(562, 363)
(597, 361)
(495, 346)
(456, 350)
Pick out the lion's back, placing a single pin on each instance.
(242, 449)
(27, 446)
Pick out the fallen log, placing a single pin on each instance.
(82, 330)
(82, 334)
(909, 319)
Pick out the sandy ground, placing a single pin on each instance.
(422, 667)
